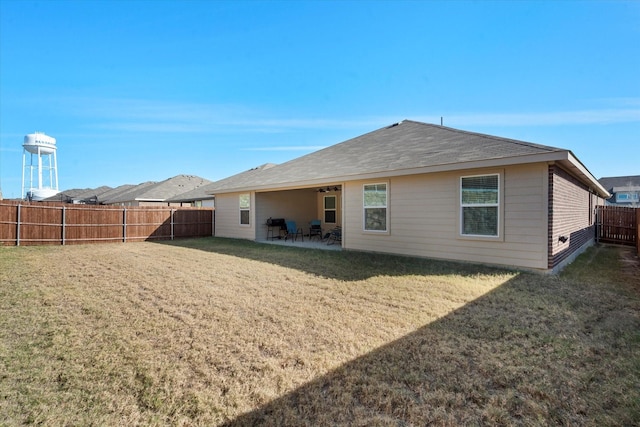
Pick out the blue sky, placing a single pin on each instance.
(138, 91)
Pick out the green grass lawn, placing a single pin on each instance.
(224, 332)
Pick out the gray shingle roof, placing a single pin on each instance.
(620, 181)
(200, 193)
(127, 194)
(242, 179)
(148, 191)
(402, 146)
(121, 189)
(159, 191)
(78, 194)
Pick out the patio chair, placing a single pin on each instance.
(315, 229)
(335, 236)
(293, 231)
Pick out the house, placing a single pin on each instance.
(425, 190)
(180, 190)
(198, 197)
(155, 193)
(86, 196)
(625, 190)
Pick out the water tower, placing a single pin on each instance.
(45, 166)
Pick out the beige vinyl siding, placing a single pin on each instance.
(525, 207)
(228, 217)
(424, 218)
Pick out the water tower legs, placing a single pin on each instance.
(45, 172)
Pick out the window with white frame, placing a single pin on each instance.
(479, 205)
(375, 207)
(245, 207)
(626, 197)
(330, 209)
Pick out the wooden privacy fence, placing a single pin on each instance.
(24, 223)
(618, 225)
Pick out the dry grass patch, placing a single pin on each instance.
(214, 331)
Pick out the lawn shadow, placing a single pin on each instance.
(341, 265)
(538, 350)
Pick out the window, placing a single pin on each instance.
(245, 205)
(626, 197)
(330, 209)
(479, 202)
(375, 207)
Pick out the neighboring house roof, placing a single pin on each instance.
(114, 192)
(403, 148)
(200, 193)
(79, 194)
(242, 179)
(620, 182)
(159, 191)
(128, 194)
(147, 191)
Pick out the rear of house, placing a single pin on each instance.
(427, 191)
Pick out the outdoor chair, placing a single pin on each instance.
(293, 231)
(315, 229)
(335, 236)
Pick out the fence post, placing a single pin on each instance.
(124, 225)
(638, 230)
(64, 222)
(18, 226)
(597, 224)
(171, 214)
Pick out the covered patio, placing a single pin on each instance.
(321, 204)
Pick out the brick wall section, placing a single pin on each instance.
(571, 215)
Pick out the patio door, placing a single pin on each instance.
(330, 209)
